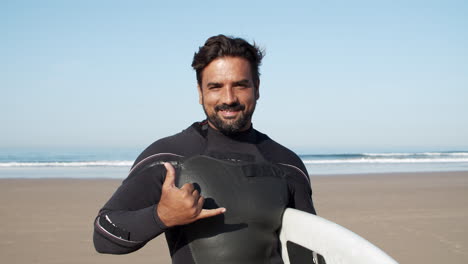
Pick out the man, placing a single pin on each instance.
(217, 189)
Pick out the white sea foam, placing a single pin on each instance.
(75, 164)
(109, 165)
(387, 154)
(444, 154)
(387, 161)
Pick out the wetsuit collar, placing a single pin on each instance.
(244, 136)
(248, 136)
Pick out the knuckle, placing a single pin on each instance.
(188, 203)
(185, 194)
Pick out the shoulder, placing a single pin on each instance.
(275, 152)
(185, 143)
(279, 154)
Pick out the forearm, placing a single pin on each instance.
(121, 232)
(129, 219)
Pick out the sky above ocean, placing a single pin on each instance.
(337, 76)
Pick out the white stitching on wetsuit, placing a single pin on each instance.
(114, 236)
(292, 166)
(154, 155)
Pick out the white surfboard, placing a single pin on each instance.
(335, 243)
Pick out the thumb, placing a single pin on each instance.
(170, 175)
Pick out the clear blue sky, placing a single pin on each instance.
(338, 75)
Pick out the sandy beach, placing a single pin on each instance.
(414, 217)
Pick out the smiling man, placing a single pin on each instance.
(217, 189)
(228, 94)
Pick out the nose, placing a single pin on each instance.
(229, 96)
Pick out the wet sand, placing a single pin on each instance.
(414, 217)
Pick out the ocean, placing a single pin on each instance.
(115, 163)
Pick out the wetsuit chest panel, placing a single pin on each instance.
(254, 195)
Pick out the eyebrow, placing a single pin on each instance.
(244, 82)
(214, 84)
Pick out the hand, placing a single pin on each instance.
(181, 206)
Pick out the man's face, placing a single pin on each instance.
(228, 94)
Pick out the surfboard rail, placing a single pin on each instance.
(335, 243)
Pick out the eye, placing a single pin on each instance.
(214, 87)
(242, 84)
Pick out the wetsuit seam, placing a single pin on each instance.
(151, 156)
(112, 235)
(302, 173)
(191, 253)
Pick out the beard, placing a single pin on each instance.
(230, 126)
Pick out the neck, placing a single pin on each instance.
(240, 131)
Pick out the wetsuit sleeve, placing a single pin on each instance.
(129, 219)
(299, 188)
(301, 199)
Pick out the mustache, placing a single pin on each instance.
(231, 107)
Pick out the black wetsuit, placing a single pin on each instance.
(129, 220)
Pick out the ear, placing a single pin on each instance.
(200, 95)
(257, 90)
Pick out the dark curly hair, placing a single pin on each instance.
(223, 46)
